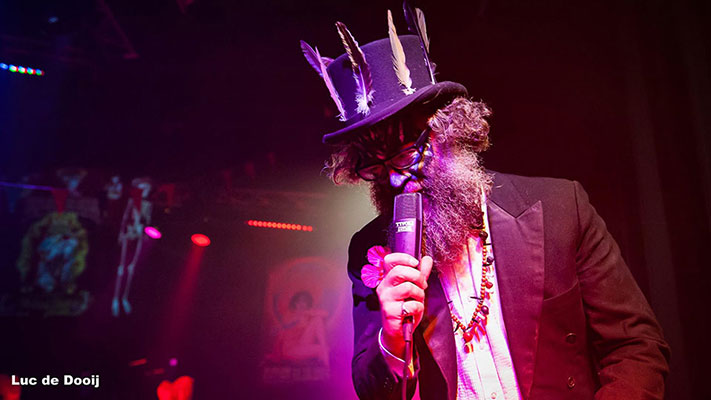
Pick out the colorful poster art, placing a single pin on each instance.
(52, 257)
(305, 299)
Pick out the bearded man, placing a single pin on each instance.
(528, 298)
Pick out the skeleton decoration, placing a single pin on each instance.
(135, 218)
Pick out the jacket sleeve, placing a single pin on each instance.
(631, 354)
(372, 377)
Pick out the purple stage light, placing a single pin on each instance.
(152, 232)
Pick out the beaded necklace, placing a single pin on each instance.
(477, 325)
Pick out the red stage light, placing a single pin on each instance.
(280, 225)
(152, 232)
(200, 240)
(136, 363)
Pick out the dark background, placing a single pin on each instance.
(614, 94)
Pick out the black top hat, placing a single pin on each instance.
(379, 80)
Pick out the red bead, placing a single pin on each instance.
(489, 285)
(485, 310)
(468, 336)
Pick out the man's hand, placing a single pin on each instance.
(404, 282)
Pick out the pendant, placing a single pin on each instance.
(468, 336)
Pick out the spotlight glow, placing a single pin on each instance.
(280, 225)
(200, 240)
(152, 232)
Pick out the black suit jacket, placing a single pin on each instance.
(578, 326)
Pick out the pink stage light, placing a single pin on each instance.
(280, 225)
(200, 240)
(152, 232)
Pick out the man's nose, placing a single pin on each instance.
(398, 178)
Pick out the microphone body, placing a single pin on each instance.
(406, 237)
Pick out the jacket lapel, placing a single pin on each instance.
(437, 332)
(517, 234)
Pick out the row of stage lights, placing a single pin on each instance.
(202, 240)
(21, 70)
(280, 225)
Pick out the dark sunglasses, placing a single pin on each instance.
(403, 160)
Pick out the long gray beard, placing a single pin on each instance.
(452, 204)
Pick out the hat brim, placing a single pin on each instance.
(434, 97)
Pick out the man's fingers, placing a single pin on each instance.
(394, 309)
(426, 267)
(413, 307)
(406, 290)
(400, 274)
(394, 259)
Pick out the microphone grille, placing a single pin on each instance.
(408, 205)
